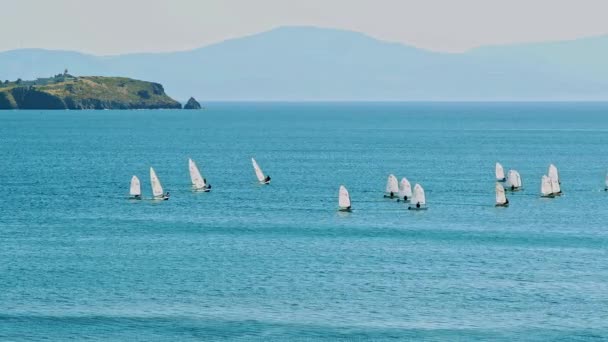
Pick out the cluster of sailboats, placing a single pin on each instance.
(550, 185)
(400, 190)
(199, 183)
(157, 189)
(511, 181)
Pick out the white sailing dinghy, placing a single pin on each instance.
(513, 181)
(344, 200)
(418, 201)
(262, 178)
(135, 190)
(405, 190)
(157, 189)
(392, 186)
(500, 173)
(606, 182)
(554, 176)
(546, 190)
(501, 198)
(199, 183)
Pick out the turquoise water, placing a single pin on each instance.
(80, 261)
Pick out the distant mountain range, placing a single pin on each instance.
(306, 63)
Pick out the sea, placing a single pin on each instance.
(80, 261)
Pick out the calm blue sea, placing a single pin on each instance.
(79, 261)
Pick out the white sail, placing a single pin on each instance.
(135, 187)
(500, 172)
(545, 186)
(258, 171)
(392, 185)
(343, 198)
(555, 188)
(418, 198)
(157, 189)
(501, 198)
(518, 179)
(197, 180)
(405, 189)
(606, 181)
(513, 179)
(553, 174)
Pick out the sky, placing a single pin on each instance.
(109, 27)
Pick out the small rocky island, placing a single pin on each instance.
(192, 104)
(64, 91)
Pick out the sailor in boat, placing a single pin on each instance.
(166, 196)
(390, 195)
(137, 197)
(207, 185)
(418, 205)
(404, 199)
(267, 179)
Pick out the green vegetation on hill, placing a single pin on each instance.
(64, 91)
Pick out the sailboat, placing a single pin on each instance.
(263, 179)
(198, 182)
(135, 190)
(344, 199)
(405, 190)
(500, 173)
(501, 198)
(418, 201)
(513, 182)
(157, 189)
(392, 186)
(546, 190)
(554, 176)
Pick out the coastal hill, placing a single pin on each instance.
(308, 63)
(64, 91)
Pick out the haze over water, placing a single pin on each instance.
(78, 260)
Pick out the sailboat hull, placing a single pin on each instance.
(417, 209)
(345, 210)
(502, 205)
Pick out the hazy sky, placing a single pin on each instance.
(119, 26)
